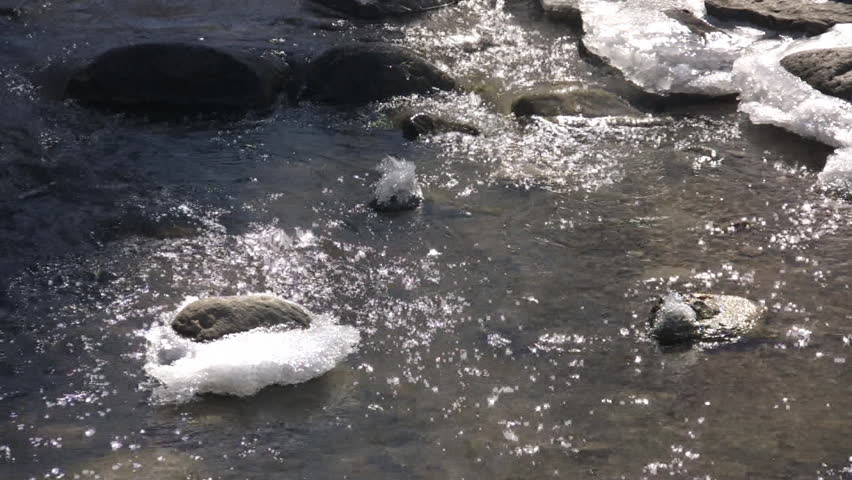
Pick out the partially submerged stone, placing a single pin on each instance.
(213, 318)
(425, 124)
(575, 101)
(810, 17)
(362, 73)
(827, 70)
(383, 9)
(562, 10)
(685, 319)
(688, 19)
(178, 75)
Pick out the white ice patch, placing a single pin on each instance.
(772, 95)
(398, 180)
(660, 54)
(241, 364)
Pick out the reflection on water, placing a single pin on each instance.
(502, 324)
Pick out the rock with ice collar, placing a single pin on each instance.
(182, 76)
(827, 70)
(362, 73)
(571, 100)
(809, 17)
(382, 9)
(694, 318)
(213, 318)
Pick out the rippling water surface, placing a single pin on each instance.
(502, 324)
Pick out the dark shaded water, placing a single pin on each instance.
(502, 323)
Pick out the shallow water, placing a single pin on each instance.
(502, 324)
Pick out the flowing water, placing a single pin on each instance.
(502, 324)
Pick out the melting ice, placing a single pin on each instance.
(661, 54)
(243, 363)
(772, 95)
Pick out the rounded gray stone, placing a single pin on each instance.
(213, 318)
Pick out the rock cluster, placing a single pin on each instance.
(811, 18)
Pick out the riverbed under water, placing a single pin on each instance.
(503, 323)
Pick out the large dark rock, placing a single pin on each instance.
(811, 18)
(362, 73)
(685, 319)
(212, 318)
(381, 9)
(178, 75)
(414, 125)
(829, 70)
(579, 101)
(563, 10)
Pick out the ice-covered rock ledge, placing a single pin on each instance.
(665, 46)
(772, 95)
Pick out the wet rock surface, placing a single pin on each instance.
(578, 101)
(381, 9)
(414, 125)
(828, 70)
(688, 19)
(793, 15)
(178, 75)
(685, 319)
(213, 318)
(363, 73)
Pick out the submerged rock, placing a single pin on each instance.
(178, 75)
(586, 102)
(811, 18)
(562, 10)
(828, 70)
(421, 123)
(363, 73)
(684, 319)
(381, 9)
(213, 318)
(398, 189)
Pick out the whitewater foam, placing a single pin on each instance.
(660, 54)
(772, 95)
(398, 184)
(242, 364)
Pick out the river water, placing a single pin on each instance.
(502, 324)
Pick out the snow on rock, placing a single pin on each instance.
(772, 95)
(243, 363)
(665, 46)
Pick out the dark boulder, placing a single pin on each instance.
(382, 9)
(178, 75)
(567, 11)
(363, 73)
(828, 70)
(421, 123)
(684, 319)
(586, 102)
(213, 318)
(811, 18)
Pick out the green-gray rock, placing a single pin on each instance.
(576, 101)
(213, 318)
(684, 319)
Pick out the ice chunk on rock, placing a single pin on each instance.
(665, 46)
(398, 188)
(243, 363)
(772, 95)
